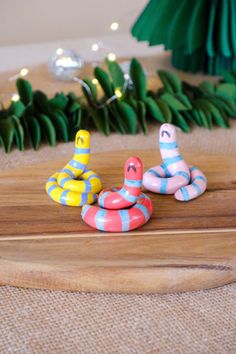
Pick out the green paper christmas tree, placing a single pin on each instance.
(200, 33)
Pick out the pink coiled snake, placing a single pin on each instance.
(121, 209)
(174, 176)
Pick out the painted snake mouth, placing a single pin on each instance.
(165, 132)
(80, 138)
(132, 167)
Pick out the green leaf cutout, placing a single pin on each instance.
(165, 110)
(61, 126)
(104, 81)
(90, 91)
(7, 128)
(179, 120)
(138, 77)
(173, 102)
(34, 132)
(48, 129)
(228, 90)
(25, 91)
(116, 73)
(59, 101)
(142, 116)
(170, 81)
(101, 120)
(18, 133)
(16, 108)
(153, 109)
(129, 116)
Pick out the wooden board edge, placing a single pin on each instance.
(152, 280)
(98, 234)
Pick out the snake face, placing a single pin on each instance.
(133, 169)
(82, 139)
(167, 133)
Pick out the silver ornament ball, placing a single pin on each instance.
(65, 64)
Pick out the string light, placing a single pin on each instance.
(111, 56)
(95, 81)
(114, 26)
(95, 47)
(15, 97)
(59, 51)
(24, 72)
(118, 93)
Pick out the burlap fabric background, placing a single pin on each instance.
(37, 321)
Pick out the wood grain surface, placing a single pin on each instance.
(185, 246)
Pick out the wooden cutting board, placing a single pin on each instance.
(185, 246)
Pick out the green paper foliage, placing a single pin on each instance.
(200, 33)
(36, 118)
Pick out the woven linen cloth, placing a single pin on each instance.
(40, 321)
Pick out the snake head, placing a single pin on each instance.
(82, 139)
(133, 168)
(167, 133)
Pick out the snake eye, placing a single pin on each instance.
(80, 138)
(165, 132)
(131, 166)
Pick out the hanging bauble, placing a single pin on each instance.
(65, 64)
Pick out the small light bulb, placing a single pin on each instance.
(24, 72)
(114, 26)
(59, 51)
(95, 47)
(15, 97)
(95, 81)
(118, 93)
(111, 56)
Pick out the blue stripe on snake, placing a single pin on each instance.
(124, 214)
(199, 177)
(185, 193)
(144, 210)
(99, 219)
(168, 146)
(84, 198)
(85, 209)
(52, 179)
(81, 151)
(184, 174)
(77, 164)
(51, 188)
(132, 183)
(163, 187)
(92, 176)
(63, 197)
(125, 194)
(193, 168)
(88, 186)
(64, 180)
(170, 160)
(153, 172)
(197, 188)
(165, 169)
(102, 198)
(69, 172)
